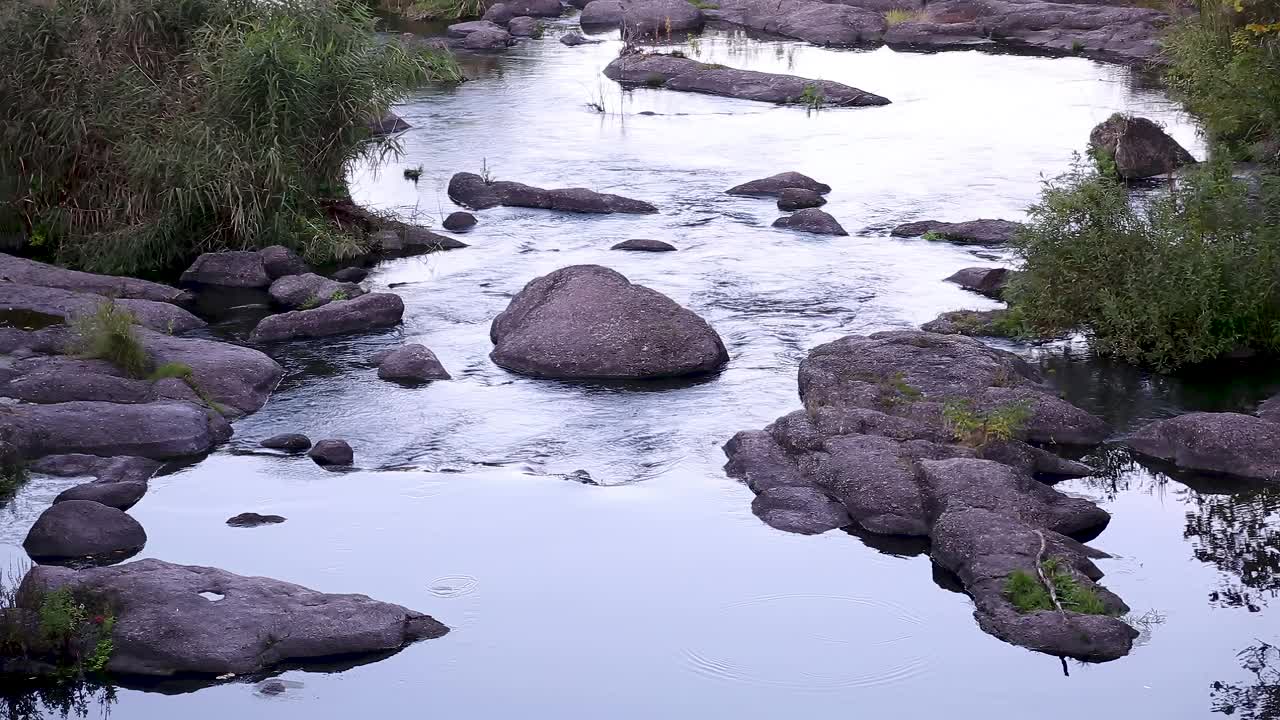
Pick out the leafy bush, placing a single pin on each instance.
(1191, 275)
(141, 133)
(108, 335)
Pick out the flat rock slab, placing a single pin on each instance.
(239, 379)
(159, 430)
(670, 72)
(1228, 443)
(71, 305)
(167, 624)
(590, 322)
(52, 385)
(367, 312)
(644, 245)
(811, 220)
(470, 190)
(29, 272)
(970, 232)
(82, 529)
(775, 185)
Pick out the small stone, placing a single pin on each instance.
(289, 442)
(249, 519)
(332, 452)
(459, 222)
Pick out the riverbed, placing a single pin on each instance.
(582, 540)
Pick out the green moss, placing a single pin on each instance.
(1025, 591)
(171, 370)
(704, 5)
(108, 334)
(933, 236)
(338, 296)
(895, 390)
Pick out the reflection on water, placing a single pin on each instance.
(1256, 700)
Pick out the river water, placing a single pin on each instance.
(651, 590)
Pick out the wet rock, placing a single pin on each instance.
(775, 185)
(411, 363)
(531, 8)
(587, 321)
(51, 386)
(167, 624)
(601, 14)
(984, 281)
(799, 509)
(78, 529)
(160, 430)
(1228, 443)
(288, 442)
(686, 75)
(118, 495)
(279, 261)
(524, 26)
(239, 379)
(574, 39)
(351, 275)
(835, 25)
(103, 469)
(463, 29)
(644, 245)
(660, 18)
(811, 220)
(974, 323)
(236, 268)
(460, 221)
(250, 519)
(799, 199)
(332, 452)
(29, 272)
(412, 240)
(367, 312)
(310, 291)
(1138, 147)
(470, 190)
(972, 232)
(389, 124)
(499, 14)
(488, 39)
(1270, 410)
(71, 305)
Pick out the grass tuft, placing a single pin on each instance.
(898, 16)
(108, 334)
(1026, 593)
(171, 370)
(976, 429)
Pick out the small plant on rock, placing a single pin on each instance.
(898, 16)
(108, 334)
(812, 97)
(976, 429)
(13, 470)
(1027, 593)
(338, 296)
(895, 390)
(171, 370)
(413, 173)
(933, 236)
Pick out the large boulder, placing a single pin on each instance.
(238, 379)
(82, 529)
(982, 280)
(488, 40)
(471, 190)
(463, 29)
(811, 220)
(29, 272)
(601, 14)
(412, 363)
(178, 619)
(71, 305)
(367, 312)
(660, 18)
(820, 23)
(310, 290)
(160, 430)
(235, 268)
(459, 222)
(972, 232)
(775, 185)
(524, 26)
(1228, 443)
(676, 72)
(1137, 147)
(587, 321)
(118, 495)
(279, 261)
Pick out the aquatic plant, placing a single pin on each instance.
(108, 334)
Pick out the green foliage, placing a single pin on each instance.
(172, 370)
(933, 236)
(1103, 161)
(108, 334)
(413, 173)
(977, 429)
(310, 303)
(61, 616)
(704, 5)
(1025, 591)
(338, 296)
(13, 471)
(144, 132)
(812, 97)
(898, 16)
(437, 9)
(1192, 275)
(104, 647)
(1077, 47)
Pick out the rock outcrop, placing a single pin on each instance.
(310, 291)
(590, 322)
(820, 23)
(974, 323)
(471, 190)
(239, 379)
(811, 220)
(29, 272)
(1229, 443)
(71, 305)
(1135, 148)
(970, 232)
(159, 430)
(367, 312)
(235, 268)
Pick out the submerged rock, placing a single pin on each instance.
(643, 245)
(1137, 147)
(1228, 443)
(288, 442)
(800, 199)
(413, 240)
(459, 221)
(367, 312)
(590, 322)
(251, 519)
(984, 281)
(310, 291)
(671, 72)
(389, 124)
(574, 39)
(917, 434)
(470, 190)
(81, 529)
(235, 268)
(29, 272)
(332, 452)
(974, 232)
(168, 622)
(159, 430)
(411, 363)
(811, 220)
(775, 185)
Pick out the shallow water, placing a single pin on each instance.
(651, 590)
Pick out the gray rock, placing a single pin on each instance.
(1138, 147)
(351, 275)
(367, 312)
(389, 124)
(236, 268)
(463, 29)
(835, 25)
(1270, 409)
(587, 321)
(310, 290)
(574, 39)
(159, 430)
(499, 14)
(811, 220)
(459, 222)
(411, 363)
(103, 469)
(78, 529)
(238, 379)
(279, 261)
(71, 305)
(644, 245)
(984, 281)
(775, 185)
(250, 519)
(799, 199)
(1228, 443)
(532, 8)
(488, 39)
(166, 623)
(413, 240)
(974, 323)
(686, 75)
(52, 386)
(524, 26)
(289, 442)
(332, 452)
(118, 495)
(29, 272)
(660, 18)
(470, 190)
(970, 232)
(601, 14)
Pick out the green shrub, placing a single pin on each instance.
(1191, 275)
(142, 133)
(812, 97)
(108, 334)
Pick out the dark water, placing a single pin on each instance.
(654, 592)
